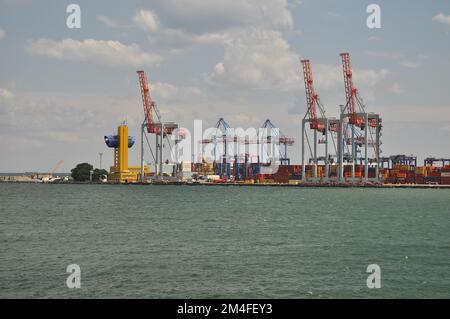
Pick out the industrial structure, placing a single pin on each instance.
(334, 151)
(158, 128)
(121, 172)
(232, 154)
(360, 132)
(273, 136)
(324, 131)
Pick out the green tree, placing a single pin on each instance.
(98, 173)
(82, 172)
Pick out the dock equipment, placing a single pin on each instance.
(429, 161)
(273, 136)
(230, 154)
(319, 123)
(359, 130)
(159, 128)
(391, 161)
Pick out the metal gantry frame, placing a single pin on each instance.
(359, 130)
(273, 136)
(318, 124)
(330, 135)
(158, 155)
(401, 159)
(429, 161)
(362, 139)
(158, 128)
(266, 135)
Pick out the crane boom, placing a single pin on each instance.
(150, 107)
(147, 102)
(312, 98)
(350, 90)
(56, 167)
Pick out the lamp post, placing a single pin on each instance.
(100, 155)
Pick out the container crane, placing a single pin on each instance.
(326, 126)
(223, 137)
(278, 139)
(160, 129)
(223, 167)
(365, 128)
(312, 99)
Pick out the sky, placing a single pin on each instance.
(62, 90)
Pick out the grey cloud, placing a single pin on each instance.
(197, 15)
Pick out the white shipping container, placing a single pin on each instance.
(445, 174)
(168, 169)
(186, 166)
(268, 169)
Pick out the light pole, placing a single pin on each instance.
(100, 155)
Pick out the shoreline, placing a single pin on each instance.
(300, 185)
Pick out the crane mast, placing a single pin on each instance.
(160, 129)
(147, 102)
(350, 91)
(312, 98)
(56, 167)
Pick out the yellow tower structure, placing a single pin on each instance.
(121, 172)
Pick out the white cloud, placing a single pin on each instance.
(109, 53)
(256, 58)
(181, 39)
(256, 55)
(107, 21)
(169, 92)
(219, 68)
(442, 18)
(2, 33)
(147, 20)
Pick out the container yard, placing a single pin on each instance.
(344, 151)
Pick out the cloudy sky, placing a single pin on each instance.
(62, 89)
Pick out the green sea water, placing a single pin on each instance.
(223, 242)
